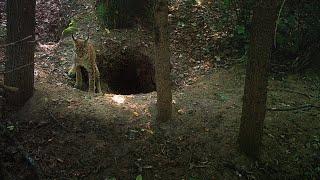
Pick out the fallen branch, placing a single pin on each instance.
(8, 88)
(55, 120)
(292, 91)
(307, 106)
(192, 166)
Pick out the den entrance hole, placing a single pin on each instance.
(128, 72)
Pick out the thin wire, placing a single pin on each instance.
(16, 42)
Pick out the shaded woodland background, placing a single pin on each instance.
(62, 132)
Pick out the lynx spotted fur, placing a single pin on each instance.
(85, 56)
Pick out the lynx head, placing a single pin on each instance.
(80, 45)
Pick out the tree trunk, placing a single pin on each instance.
(162, 62)
(255, 91)
(124, 13)
(19, 66)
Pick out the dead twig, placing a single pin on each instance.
(16, 42)
(307, 106)
(292, 91)
(8, 88)
(17, 68)
(192, 166)
(55, 120)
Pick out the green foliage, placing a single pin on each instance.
(314, 167)
(114, 13)
(240, 30)
(101, 13)
(110, 178)
(10, 128)
(299, 26)
(297, 34)
(139, 177)
(242, 11)
(71, 29)
(2, 31)
(124, 13)
(241, 33)
(221, 96)
(226, 3)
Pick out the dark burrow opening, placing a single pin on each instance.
(127, 72)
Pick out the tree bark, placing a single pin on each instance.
(19, 66)
(125, 13)
(162, 62)
(255, 91)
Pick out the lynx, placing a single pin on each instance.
(85, 56)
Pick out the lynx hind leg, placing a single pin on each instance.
(98, 83)
(79, 82)
(91, 82)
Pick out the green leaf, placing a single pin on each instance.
(107, 30)
(226, 3)
(280, 40)
(193, 178)
(10, 128)
(181, 24)
(68, 31)
(240, 29)
(139, 177)
(222, 97)
(71, 29)
(102, 12)
(73, 23)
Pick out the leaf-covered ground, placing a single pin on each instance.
(65, 133)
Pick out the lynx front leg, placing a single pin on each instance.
(79, 82)
(98, 85)
(91, 82)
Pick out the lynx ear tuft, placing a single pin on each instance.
(73, 38)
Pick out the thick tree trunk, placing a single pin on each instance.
(124, 13)
(162, 62)
(255, 91)
(19, 66)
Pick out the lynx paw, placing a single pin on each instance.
(72, 73)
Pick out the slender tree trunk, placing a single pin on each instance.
(19, 66)
(162, 62)
(255, 91)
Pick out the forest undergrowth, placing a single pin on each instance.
(65, 133)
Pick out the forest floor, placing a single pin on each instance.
(66, 133)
